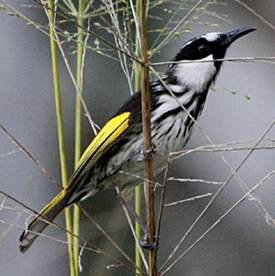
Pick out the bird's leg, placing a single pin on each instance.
(144, 154)
(144, 239)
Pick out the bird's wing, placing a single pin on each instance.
(122, 122)
(107, 136)
(118, 126)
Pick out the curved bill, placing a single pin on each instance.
(234, 35)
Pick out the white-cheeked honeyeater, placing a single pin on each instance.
(118, 147)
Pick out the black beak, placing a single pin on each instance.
(234, 35)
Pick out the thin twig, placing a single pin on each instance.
(256, 14)
(194, 180)
(235, 59)
(120, 42)
(263, 210)
(163, 193)
(221, 147)
(133, 232)
(176, 28)
(108, 237)
(71, 73)
(270, 175)
(94, 248)
(187, 200)
(116, 32)
(90, 32)
(23, 149)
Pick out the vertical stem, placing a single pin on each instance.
(138, 260)
(137, 188)
(146, 118)
(61, 140)
(78, 122)
(78, 115)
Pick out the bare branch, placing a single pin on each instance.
(90, 32)
(270, 175)
(176, 28)
(243, 59)
(194, 180)
(242, 184)
(187, 200)
(108, 237)
(256, 14)
(133, 232)
(93, 125)
(18, 145)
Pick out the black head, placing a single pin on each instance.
(206, 47)
(214, 44)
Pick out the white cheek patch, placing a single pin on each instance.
(196, 74)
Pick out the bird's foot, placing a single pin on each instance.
(147, 154)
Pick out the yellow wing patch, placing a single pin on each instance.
(108, 134)
(52, 203)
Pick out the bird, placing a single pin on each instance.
(114, 157)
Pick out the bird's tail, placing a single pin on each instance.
(41, 221)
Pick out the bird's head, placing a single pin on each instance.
(206, 47)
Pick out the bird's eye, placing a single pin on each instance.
(203, 47)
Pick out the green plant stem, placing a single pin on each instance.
(61, 140)
(78, 121)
